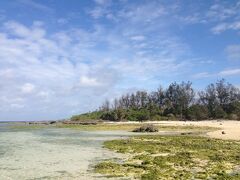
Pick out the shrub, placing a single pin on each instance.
(219, 113)
(87, 116)
(233, 116)
(171, 116)
(138, 115)
(143, 115)
(234, 110)
(156, 118)
(110, 116)
(197, 112)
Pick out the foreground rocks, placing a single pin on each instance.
(146, 128)
(89, 122)
(41, 122)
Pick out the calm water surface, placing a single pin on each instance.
(52, 153)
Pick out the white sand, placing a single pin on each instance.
(231, 128)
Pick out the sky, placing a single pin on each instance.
(65, 57)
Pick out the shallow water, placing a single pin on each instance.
(52, 153)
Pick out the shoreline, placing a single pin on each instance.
(226, 129)
(231, 128)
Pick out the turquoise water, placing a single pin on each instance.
(52, 153)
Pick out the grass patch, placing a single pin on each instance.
(174, 157)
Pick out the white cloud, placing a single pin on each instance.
(102, 9)
(191, 19)
(223, 73)
(219, 28)
(7, 73)
(62, 21)
(221, 11)
(144, 13)
(21, 31)
(102, 2)
(17, 28)
(74, 70)
(226, 26)
(36, 5)
(27, 88)
(233, 52)
(43, 94)
(138, 38)
(202, 75)
(220, 15)
(16, 106)
(88, 81)
(230, 72)
(97, 12)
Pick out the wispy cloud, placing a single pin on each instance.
(233, 52)
(226, 26)
(73, 60)
(230, 72)
(67, 67)
(36, 5)
(222, 11)
(27, 88)
(137, 38)
(222, 74)
(202, 75)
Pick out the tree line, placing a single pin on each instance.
(177, 101)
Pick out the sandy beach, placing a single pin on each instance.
(231, 128)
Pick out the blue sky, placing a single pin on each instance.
(63, 57)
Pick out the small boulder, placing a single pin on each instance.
(146, 128)
(223, 132)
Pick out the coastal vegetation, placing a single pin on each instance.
(173, 157)
(220, 100)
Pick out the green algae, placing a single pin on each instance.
(174, 157)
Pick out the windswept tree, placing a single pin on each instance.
(226, 93)
(179, 97)
(105, 106)
(218, 100)
(218, 97)
(209, 99)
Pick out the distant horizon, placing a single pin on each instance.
(61, 58)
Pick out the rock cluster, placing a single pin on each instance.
(146, 128)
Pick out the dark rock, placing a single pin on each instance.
(146, 128)
(89, 122)
(186, 133)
